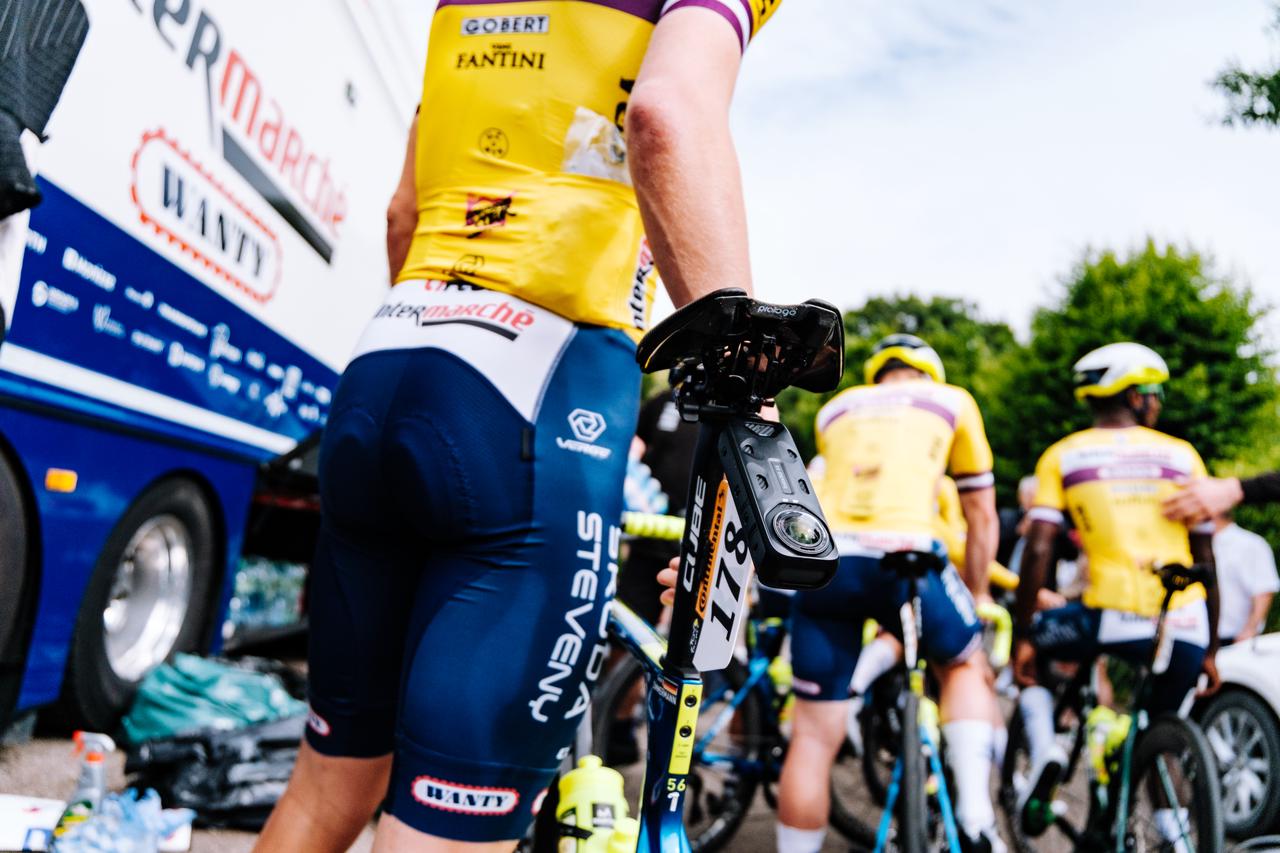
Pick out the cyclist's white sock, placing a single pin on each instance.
(1037, 720)
(969, 756)
(876, 658)
(999, 743)
(792, 840)
(1170, 824)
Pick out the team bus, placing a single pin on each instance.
(210, 241)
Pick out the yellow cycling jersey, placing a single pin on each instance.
(949, 526)
(521, 165)
(885, 447)
(1112, 481)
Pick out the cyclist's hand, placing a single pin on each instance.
(1024, 663)
(1047, 599)
(667, 578)
(1203, 499)
(1210, 669)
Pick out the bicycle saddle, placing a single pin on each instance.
(912, 564)
(749, 350)
(1177, 578)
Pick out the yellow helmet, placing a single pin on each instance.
(1111, 369)
(908, 349)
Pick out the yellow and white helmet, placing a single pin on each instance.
(909, 350)
(1111, 369)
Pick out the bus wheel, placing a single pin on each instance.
(150, 595)
(15, 580)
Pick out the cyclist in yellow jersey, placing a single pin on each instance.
(885, 445)
(472, 467)
(1111, 479)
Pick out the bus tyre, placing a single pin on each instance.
(151, 594)
(14, 579)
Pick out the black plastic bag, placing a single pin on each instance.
(231, 779)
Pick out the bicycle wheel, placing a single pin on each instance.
(849, 798)
(723, 778)
(1015, 774)
(913, 799)
(1175, 796)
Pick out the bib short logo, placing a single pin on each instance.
(464, 799)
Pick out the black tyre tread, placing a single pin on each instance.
(1171, 733)
(913, 802)
(1008, 795)
(844, 818)
(93, 697)
(16, 579)
(1268, 818)
(618, 683)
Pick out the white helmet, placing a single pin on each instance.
(1109, 370)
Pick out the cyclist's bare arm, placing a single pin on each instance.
(402, 212)
(979, 509)
(682, 158)
(1036, 561)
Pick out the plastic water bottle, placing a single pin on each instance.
(592, 803)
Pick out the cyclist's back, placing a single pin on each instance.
(885, 445)
(1112, 482)
(473, 462)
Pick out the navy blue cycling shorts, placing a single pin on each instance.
(471, 486)
(826, 624)
(1078, 634)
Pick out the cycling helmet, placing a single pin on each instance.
(1109, 370)
(909, 350)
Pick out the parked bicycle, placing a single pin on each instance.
(750, 507)
(1139, 768)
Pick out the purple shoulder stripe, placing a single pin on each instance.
(649, 10)
(720, 6)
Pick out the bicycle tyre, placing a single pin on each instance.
(844, 814)
(726, 810)
(1016, 749)
(913, 800)
(1170, 734)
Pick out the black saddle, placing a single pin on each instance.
(1177, 578)
(747, 350)
(912, 564)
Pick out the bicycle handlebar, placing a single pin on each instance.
(989, 611)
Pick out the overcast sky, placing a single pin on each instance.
(978, 148)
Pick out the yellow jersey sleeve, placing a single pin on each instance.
(745, 16)
(1050, 502)
(971, 460)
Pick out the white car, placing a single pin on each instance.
(1242, 722)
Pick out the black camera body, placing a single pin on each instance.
(788, 537)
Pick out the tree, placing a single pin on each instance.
(1253, 97)
(973, 351)
(1222, 395)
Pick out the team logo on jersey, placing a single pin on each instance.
(502, 57)
(464, 799)
(506, 25)
(587, 426)
(499, 315)
(484, 212)
(494, 142)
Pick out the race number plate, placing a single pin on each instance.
(722, 597)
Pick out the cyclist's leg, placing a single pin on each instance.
(953, 640)
(1067, 633)
(509, 623)
(826, 632)
(361, 587)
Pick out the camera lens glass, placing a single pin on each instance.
(801, 530)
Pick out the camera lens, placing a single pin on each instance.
(801, 530)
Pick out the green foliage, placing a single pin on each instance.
(1253, 97)
(1222, 394)
(974, 351)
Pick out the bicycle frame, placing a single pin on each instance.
(912, 633)
(711, 605)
